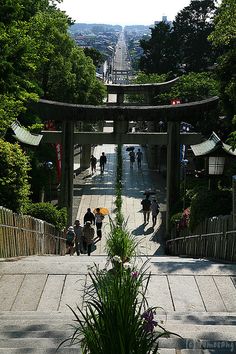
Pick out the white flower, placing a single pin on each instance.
(117, 259)
(127, 265)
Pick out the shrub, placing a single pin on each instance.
(175, 219)
(206, 204)
(14, 180)
(49, 213)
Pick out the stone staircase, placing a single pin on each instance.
(34, 292)
(42, 333)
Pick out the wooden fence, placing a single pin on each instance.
(218, 246)
(23, 235)
(216, 224)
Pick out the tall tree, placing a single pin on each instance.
(191, 29)
(224, 38)
(158, 56)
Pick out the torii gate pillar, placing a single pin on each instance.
(173, 170)
(66, 193)
(120, 126)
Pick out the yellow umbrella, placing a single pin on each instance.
(103, 211)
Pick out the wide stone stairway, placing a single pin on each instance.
(197, 300)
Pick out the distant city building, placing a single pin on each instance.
(165, 20)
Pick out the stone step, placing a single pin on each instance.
(29, 350)
(33, 342)
(167, 346)
(198, 318)
(42, 332)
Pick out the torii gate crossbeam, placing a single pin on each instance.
(121, 115)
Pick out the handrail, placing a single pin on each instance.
(219, 246)
(194, 236)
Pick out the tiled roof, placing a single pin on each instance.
(209, 146)
(24, 136)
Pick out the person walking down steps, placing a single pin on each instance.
(88, 232)
(78, 229)
(98, 222)
(70, 240)
(89, 216)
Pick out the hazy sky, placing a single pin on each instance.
(122, 12)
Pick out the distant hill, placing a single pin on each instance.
(94, 27)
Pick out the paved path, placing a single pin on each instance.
(48, 283)
(98, 191)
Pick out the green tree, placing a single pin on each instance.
(39, 59)
(224, 38)
(64, 73)
(14, 181)
(158, 55)
(97, 57)
(191, 29)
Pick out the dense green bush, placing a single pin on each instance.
(49, 213)
(206, 204)
(14, 181)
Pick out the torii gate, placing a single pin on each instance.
(121, 115)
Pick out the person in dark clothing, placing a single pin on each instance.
(70, 239)
(93, 162)
(103, 161)
(88, 232)
(89, 216)
(139, 155)
(146, 204)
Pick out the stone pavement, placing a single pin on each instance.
(98, 191)
(196, 299)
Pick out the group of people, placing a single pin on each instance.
(102, 161)
(150, 207)
(133, 156)
(80, 238)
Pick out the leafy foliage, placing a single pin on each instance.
(158, 55)
(191, 29)
(223, 38)
(49, 213)
(38, 58)
(95, 55)
(14, 181)
(205, 204)
(185, 46)
(120, 242)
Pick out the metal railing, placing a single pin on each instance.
(218, 246)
